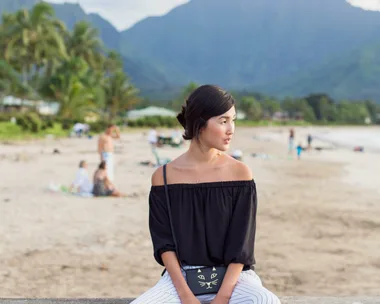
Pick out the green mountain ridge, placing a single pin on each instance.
(354, 76)
(279, 47)
(248, 45)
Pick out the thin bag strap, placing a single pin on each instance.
(170, 216)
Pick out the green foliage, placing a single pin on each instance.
(154, 121)
(298, 109)
(98, 126)
(251, 107)
(119, 94)
(352, 113)
(30, 122)
(11, 131)
(71, 68)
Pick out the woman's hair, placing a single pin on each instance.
(82, 163)
(102, 164)
(203, 103)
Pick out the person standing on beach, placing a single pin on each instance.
(309, 140)
(106, 148)
(291, 141)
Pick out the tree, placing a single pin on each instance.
(69, 86)
(10, 82)
(34, 39)
(298, 107)
(251, 107)
(352, 112)
(321, 105)
(119, 93)
(84, 42)
(372, 109)
(270, 106)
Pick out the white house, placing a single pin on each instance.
(42, 107)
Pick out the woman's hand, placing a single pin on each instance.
(190, 299)
(220, 300)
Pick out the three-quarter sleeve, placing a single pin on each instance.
(240, 239)
(159, 226)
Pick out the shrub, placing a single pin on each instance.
(98, 126)
(154, 121)
(30, 122)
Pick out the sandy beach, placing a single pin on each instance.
(317, 230)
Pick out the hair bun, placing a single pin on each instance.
(181, 117)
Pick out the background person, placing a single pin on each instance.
(106, 148)
(103, 186)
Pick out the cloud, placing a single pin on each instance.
(124, 13)
(372, 5)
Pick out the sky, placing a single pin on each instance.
(373, 5)
(124, 13)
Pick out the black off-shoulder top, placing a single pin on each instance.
(214, 222)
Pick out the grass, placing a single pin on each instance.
(10, 131)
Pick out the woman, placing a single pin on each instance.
(102, 184)
(212, 205)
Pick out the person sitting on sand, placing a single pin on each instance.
(102, 184)
(82, 184)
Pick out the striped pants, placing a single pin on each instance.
(248, 290)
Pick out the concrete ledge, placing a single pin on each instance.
(284, 300)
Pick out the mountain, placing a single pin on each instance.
(279, 47)
(353, 76)
(252, 44)
(143, 74)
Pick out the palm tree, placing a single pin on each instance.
(74, 98)
(84, 42)
(35, 39)
(72, 86)
(10, 82)
(120, 94)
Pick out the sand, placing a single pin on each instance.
(317, 232)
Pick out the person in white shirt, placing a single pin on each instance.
(153, 137)
(82, 184)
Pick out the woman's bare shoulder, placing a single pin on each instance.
(157, 177)
(237, 169)
(158, 174)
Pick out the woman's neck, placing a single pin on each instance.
(201, 154)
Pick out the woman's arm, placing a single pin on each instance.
(172, 267)
(240, 241)
(230, 279)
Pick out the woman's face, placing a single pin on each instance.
(219, 131)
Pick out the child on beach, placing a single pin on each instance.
(82, 184)
(299, 151)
